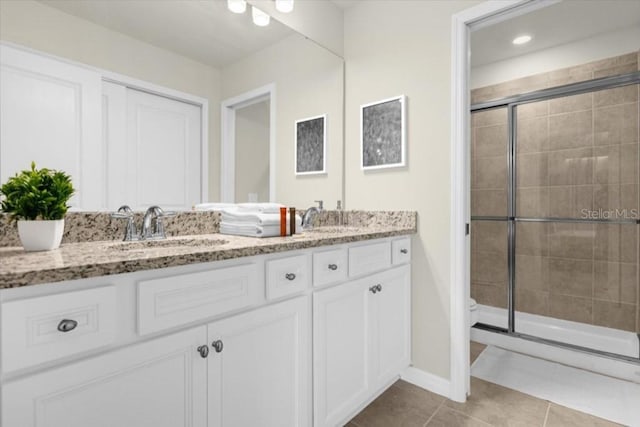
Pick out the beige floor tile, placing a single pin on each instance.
(559, 416)
(501, 406)
(447, 417)
(403, 404)
(475, 349)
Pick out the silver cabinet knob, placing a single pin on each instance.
(67, 325)
(333, 267)
(290, 276)
(373, 289)
(217, 346)
(379, 287)
(404, 251)
(204, 351)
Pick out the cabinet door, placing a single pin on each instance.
(341, 329)
(391, 319)
(262, 375)
(50, 114)
(160, 383)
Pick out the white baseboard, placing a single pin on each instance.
(427, 381)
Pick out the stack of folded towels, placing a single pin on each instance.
(251, 219)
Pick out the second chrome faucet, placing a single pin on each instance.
(152, 225)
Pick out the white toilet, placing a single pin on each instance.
(473, 312)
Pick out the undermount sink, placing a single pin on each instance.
(335, 229)
(166, 244)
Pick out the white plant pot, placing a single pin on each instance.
(39, 235)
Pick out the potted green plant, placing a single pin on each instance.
(37, 200)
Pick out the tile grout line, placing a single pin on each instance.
(546, 416)
(469, 416)
(435, 412)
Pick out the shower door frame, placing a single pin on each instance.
(511, 103)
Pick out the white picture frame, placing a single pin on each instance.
(382, 134)
(310, 145)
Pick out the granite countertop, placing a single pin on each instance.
(100, 258)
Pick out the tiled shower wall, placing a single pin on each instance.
(576, 156)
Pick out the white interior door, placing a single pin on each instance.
(163, 145)
(50, 114)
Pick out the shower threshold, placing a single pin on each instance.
(563, 341)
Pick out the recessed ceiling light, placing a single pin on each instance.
(522, 39)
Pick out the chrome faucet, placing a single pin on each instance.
(152, 217)
(310, 215)
(125, 212)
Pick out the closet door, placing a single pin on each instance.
(163, 152)
(50, 114)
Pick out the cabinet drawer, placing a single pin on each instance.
(401, 251)
(168, 302)
(286, 276)
(329, 267)
(369, 258)
(41, 329)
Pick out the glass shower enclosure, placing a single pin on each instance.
(555, 215)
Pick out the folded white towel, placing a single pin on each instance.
(250, 230)
(213, 206)
(233, 215)
(266, 208)
(255, 230)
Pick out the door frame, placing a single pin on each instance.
(228, 109)
(483, 15)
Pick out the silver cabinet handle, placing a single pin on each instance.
(290, 276)
(373, 289)
(333, 267)
(404, 251)
(67, 325)
(204, 351)
(217, 346)
(379, 287)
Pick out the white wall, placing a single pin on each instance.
(308, 82)
(46, 29)
(567, 55)
(404, 47)
(321, 21)
(252, 146)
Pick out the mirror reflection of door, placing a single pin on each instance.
(252, 153)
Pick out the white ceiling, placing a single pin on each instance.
(550, 26)
(345, 4)
(203, 30)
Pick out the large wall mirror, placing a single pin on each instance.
(258, 83)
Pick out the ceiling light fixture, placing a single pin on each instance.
(237, 6)
(523, 39)
(284, 6)
(260, 18)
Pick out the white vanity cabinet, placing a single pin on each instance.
(240, 342)
(260, 367)
(159, 383)
(361, 333)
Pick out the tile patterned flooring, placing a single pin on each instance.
(406, 405)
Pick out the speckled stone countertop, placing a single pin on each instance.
(100, 258)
